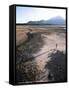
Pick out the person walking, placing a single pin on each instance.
(56, 46)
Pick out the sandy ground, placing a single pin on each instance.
(53, 41)
(49, 47)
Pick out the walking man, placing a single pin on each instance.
(56, 46)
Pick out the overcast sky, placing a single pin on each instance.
(25, 14)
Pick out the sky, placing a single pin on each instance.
(26, 14)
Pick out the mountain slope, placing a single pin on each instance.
(54, 20)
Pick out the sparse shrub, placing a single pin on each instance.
(57, 65)
(30, 70)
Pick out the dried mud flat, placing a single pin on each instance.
(40, 56)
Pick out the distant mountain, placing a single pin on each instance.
(55, 20)
(37, 22)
